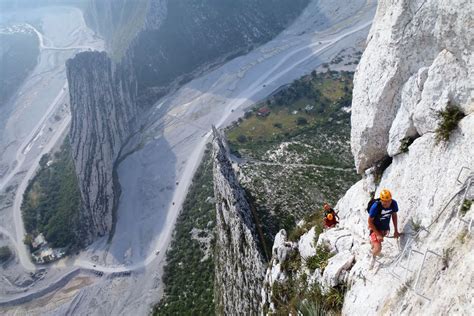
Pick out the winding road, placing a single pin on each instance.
(24, 149)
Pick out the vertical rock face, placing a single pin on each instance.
(418, 61)
(103, 111)
(240, 266)
(171, 39)
(418, 58)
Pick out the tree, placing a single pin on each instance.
(301, 121)
(241, 138)
(44, 160)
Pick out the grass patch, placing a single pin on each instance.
(292, 264)
(52, 201)
(319, 260)
(189, 281)
(310, 105)
(449, 119)
(295, 297)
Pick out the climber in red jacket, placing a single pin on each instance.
(330, 216)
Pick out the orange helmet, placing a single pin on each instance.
(385, 195)
(330, 217)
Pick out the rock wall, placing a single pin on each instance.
(102, 99)
(418, 58)
(417, 61)
(239, 264)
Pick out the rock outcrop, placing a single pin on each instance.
(102, 99)
(418, 61)
(240, 266)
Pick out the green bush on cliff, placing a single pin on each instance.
(319, 260)
(449, 119)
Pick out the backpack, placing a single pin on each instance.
(371, 202)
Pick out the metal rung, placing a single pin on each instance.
(422, 264)
(459, 175)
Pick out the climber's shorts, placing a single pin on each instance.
(373, 236)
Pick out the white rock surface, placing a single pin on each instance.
(406, 37)
(335, 269)
(239, 264)
(418, 59)
(306, 244)
(336, 240)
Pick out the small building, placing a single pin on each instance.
(38, 241)
(263, 112)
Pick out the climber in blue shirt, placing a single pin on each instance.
(379, 220)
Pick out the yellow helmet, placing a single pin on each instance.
(385, 195)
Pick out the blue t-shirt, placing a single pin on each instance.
(382, 217)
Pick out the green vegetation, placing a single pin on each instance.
(317, 138)
(405, 143)
(309, 108)
(466, 206)
(299, 155)
(52, 201)
(189, 275)
(311, 220)
(296, 158)
(18, 57)
(296, 295)
(450, 118)
(319, 260)
(293, 263)
(5, 254)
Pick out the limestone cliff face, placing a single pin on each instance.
(103, 110)
(418, 60)
(239, 262)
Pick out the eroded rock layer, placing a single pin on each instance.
(103, 111)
